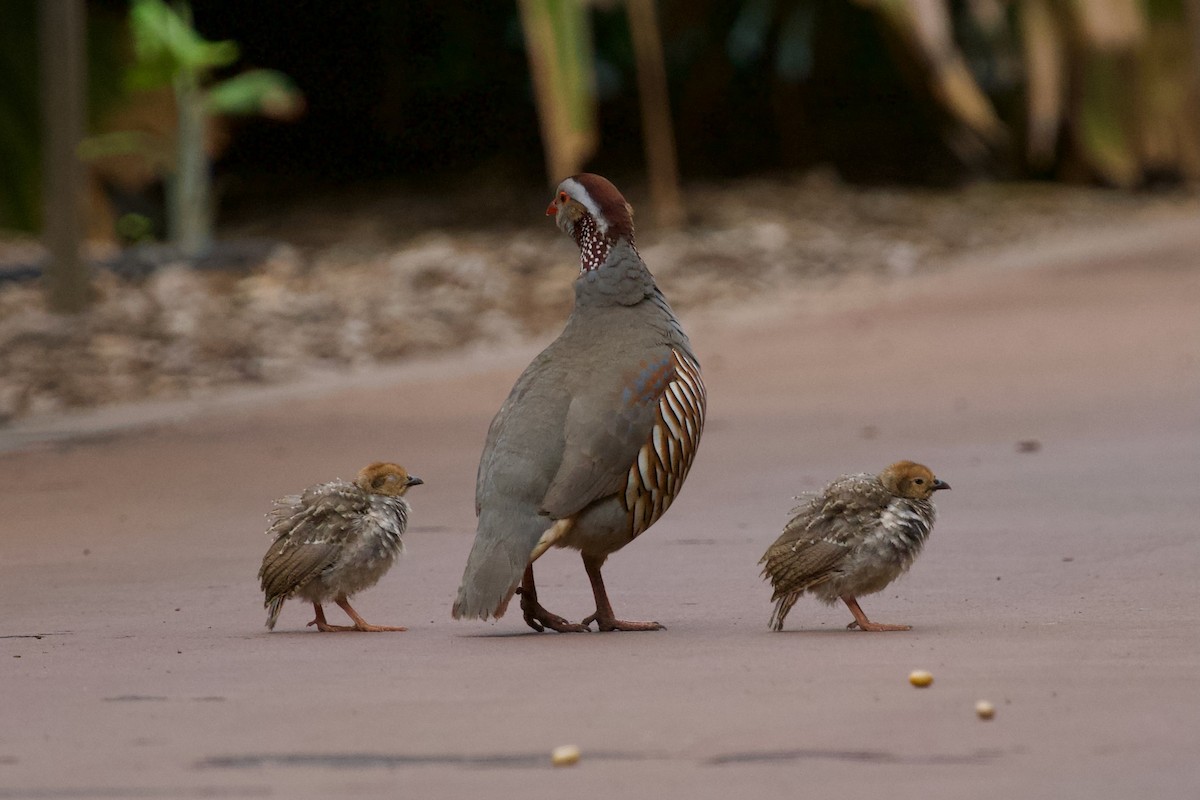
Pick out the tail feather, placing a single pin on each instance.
(504, 542)
(273, 606)
(782, 606)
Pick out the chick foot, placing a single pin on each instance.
(360, 624)
(862, 623)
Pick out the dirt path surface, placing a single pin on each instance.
(1060, 582)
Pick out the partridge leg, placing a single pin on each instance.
(604, 618)
(537, 617)
(862, 623)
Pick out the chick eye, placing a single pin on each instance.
(918, 481)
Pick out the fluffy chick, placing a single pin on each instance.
(854, 537)
(335, 540)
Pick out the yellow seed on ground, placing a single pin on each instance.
(985, 710)
(920, 677)
(565, 755)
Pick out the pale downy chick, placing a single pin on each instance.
(335, 540)
(854, 537)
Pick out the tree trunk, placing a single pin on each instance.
(62, 47)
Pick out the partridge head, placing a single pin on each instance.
(334, 540)
(590, 210)
(852, 538)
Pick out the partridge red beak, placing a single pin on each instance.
(552, 210)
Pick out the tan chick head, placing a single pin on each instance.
(386, 478)
(911, 480)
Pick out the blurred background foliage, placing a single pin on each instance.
(170, 55)
(931, 92)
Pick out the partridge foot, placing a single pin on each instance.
(862, 623)
(539, 618)
(608, 623)
(604, 617)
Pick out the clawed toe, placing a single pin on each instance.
(325, 627)
(539, 618)
(876, 627)
(361, 627)
(360, 624)
(862, 623)
(605, 624)
(555, 623)
(367, 627)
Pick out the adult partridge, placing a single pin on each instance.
(854, 537)
(335, 540)
(599, 432)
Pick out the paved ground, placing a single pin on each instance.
(1060, 583)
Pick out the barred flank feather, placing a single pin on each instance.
(663, 462)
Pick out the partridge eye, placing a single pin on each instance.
(563, 196)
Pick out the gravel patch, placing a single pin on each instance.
(355, 284)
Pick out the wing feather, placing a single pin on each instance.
(822, 532)
(310, 532)
(605, 430)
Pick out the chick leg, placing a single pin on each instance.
(360, 624)
(604, 618)
(324, 626)
(538, 617)
(862, 623)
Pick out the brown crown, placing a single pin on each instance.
(617, 213)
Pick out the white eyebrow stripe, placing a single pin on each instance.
(580, 195)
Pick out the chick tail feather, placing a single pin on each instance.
(782, 606)
(273, 606)
(504, 542)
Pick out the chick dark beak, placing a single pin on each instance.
(413, 480)
(940, 485)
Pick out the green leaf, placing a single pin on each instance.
(166, 45)
(258, 91)
(558, 40)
